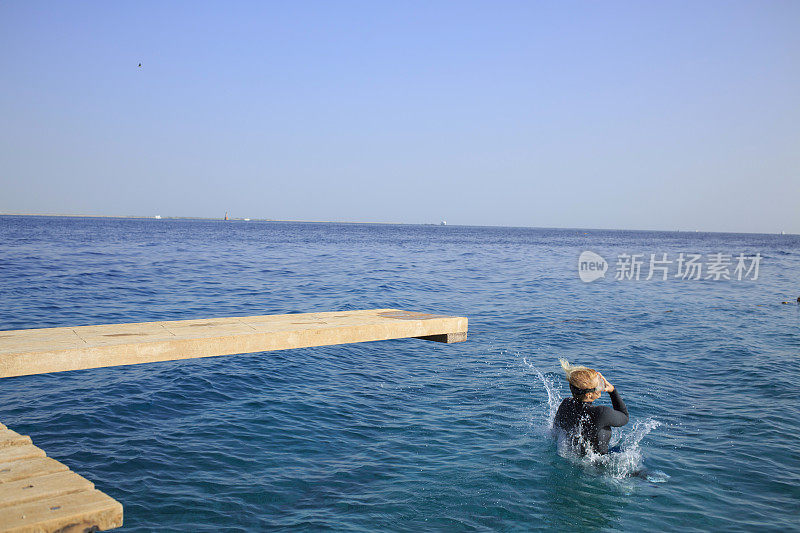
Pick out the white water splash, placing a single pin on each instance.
(544, 421)
(624, 463)
(553, 394)
(628, 460)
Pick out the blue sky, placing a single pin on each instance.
(639, 115)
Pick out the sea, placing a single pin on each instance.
(410, 435)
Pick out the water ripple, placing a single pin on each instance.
(408, 435)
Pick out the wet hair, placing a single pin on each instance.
(584, 383)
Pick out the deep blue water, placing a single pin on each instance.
(410, 435)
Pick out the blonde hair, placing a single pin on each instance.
(582, 377)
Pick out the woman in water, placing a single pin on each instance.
(588, 426)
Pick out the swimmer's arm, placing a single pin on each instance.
(619, 415)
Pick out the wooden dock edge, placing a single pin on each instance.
(41, 495)
(459, 336)
(38, 351)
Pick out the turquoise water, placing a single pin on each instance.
(410, 435)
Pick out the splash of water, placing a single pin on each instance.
(628, 460)
(544, 421)
(625, 461)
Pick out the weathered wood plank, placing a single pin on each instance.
(26, 468)
(34, 351)
(41, 487)
(39, 494)
(69, 513)
(9, 437)
(15, 453)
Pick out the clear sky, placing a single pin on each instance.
(639, 115)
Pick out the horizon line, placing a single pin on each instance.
(256, 219)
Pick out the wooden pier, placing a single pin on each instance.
(39, 494)
(39, 351)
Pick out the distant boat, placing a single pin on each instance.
(226, 215)
(443, 223)
(157, 217)
(247, 220)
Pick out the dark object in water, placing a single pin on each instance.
(590, 426)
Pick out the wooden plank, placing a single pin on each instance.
(41, 487)
(10, 437)
(15, 453)
(24, 468)
(39, 494)
(69, 513)
(34, 351)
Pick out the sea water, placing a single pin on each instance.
(408, 435)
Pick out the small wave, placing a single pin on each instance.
(656, 476)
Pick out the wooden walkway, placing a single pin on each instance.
(38, 351)
(39, 494)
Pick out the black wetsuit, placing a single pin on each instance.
(590, 425)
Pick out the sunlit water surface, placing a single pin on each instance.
(410, 435)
